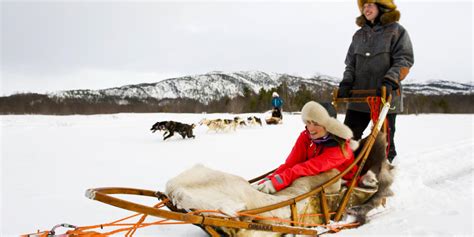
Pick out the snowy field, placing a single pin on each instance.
(47, 162)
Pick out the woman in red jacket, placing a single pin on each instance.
(323, 145)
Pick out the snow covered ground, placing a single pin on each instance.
(47, 162)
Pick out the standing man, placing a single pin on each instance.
(380, 54)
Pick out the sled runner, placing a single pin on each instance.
(321, 212)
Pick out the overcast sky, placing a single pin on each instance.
(56, 45)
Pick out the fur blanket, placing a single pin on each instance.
(202, 188)
(379, 173)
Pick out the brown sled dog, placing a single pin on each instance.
(376, 165)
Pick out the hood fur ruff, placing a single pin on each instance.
(389, 12)
(313, 111)
(385, 19)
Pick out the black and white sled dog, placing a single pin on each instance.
(240, 121)
(170, 127)
(254, 121)
(377, 173)
(220, 125)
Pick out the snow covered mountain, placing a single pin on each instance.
(215, 85)
(206, 87)
(439, 87)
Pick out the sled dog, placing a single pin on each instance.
(240, 122)
(170, 127)
(254, 121)
(217, 125)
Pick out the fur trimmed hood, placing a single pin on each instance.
(313, 111)
(388, 11)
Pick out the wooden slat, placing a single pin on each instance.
(261, 176)
(211, 231)
(371, 92)
(294, 213)
(324, 207)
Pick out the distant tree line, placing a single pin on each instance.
(249, 101)
(453, 103)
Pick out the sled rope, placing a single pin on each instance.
(375, 105)
(131, 229)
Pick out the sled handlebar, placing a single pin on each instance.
(360, 96)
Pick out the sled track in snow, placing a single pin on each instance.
(452, 176)
(439, 158)
(438, 152)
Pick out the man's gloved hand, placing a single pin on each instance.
(389, 86)
(265, 187)
(344, 90)
(388, 89)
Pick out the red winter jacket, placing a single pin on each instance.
(308, 158)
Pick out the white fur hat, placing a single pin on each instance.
(275, 94)
(313, 111)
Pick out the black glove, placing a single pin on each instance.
(389, 86)
(388, 89)
(344, 90)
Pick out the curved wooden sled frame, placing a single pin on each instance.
(207, 222)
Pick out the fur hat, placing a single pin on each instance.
(330, 108)
(275, 94)
(388, 11)
(313, 111)
(388, 4)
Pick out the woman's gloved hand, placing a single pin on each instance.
(266, 186)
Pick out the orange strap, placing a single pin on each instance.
(132, 227)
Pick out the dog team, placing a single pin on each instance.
(217, 125)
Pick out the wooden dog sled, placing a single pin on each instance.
(322, 209)
(273, 121)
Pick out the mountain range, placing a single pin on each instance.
(215, 85)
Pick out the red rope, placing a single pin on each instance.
(375, 105)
